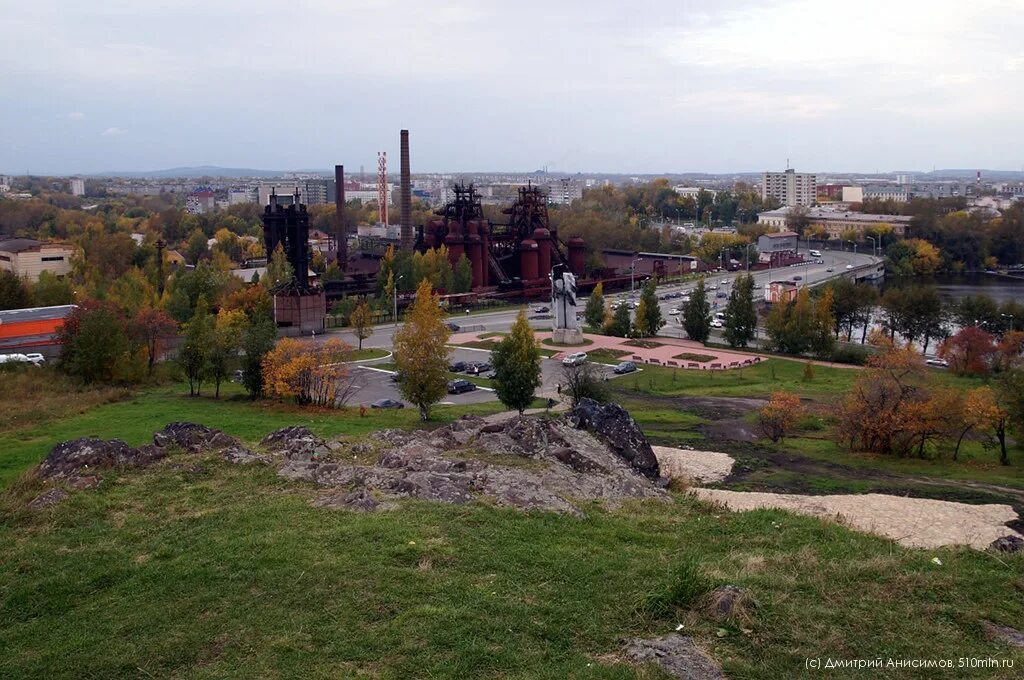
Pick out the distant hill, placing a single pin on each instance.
(195, 172)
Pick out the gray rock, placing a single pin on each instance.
(295, 442)
(577, 461)
(677, 655)
(193, 437)
(1008, 544)
(47, 498)
(239, 455)
(1005, 634)
(83, 482)
(69, 458)
(617, 429)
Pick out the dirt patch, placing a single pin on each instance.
(701, 467)
(645, 344)
(913, 522)
(690, 356)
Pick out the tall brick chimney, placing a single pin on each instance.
(406, 197)
(340, 235)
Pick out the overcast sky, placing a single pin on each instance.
(642, 86)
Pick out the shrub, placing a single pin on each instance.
(855, 355)
(779, 415)
(686, 585)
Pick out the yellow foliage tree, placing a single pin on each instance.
(779, 415)
(421, 352)
(308, 373)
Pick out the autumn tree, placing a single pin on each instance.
(361, 321)
(516, 362)
(594, 310)
(421, 352)
(740, 314)
(280, 271)
(969, 352)
(975, 414)
(152, 328)
(780, 415)
(640, 321)
(194, 352)
(309, 373)
(697, 314)
(652, 320)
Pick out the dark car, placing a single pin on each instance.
(478, 368)
(457, 367)
(460, 386)
(721, 294)
(396, 377)
(490, 375)
(541, 310)
(798, 278)
(387, 403)
(453, 327)
(625, 367)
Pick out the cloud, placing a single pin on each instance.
(113, 132)
(76, 115)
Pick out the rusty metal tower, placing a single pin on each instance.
(382, 186)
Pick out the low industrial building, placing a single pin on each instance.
(837, 223)
(777, 242)
(32, 330)
(28, 258)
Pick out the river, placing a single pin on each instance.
(956, 286)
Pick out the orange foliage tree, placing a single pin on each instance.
(779, 415)
(308, 373)
(969, 352)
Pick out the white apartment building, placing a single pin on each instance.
(790, 188)
(77, 186)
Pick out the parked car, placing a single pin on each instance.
(575, 359)
(541, 310)
(675, 311)
(15, 359)
(460, 386)
(453, 327)
(478, 368)
(830, 269)
(725, 282)
(712, 287)
(387, 403)
(720, 316)
(721, 294)
(820, 262)
(395, 377)
(36, 358)
(935, 361)
(457, 366)
(849, 266)
(717, 323)
(490, 375)
(798, 278)
(624, 367)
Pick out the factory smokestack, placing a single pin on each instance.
(340, 235)
(406, 197)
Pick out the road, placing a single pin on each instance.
(374, 383)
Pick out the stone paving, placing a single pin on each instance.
(664, 354)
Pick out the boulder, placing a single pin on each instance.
(728, 603)
(69, 458)
(1008, 544)
(239, 455)
(193, 437)
(677, 655)
(619, 431)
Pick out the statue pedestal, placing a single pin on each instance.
(567, 336)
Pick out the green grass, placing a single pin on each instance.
(369, 353)
(226, 571)
(136, 419)
(646, 344)
(551, 343)
(607, 354)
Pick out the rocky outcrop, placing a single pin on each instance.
(1008, 544)
(70, 459)
(193, 438)
(296, 442)
(1004, 634)
(677, 655)
(526, 462)
(619, 431)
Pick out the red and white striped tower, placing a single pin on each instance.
(382, 186)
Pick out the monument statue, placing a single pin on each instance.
(566, 329)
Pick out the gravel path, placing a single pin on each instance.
(913, 522)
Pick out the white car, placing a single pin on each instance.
(675, 311)
(575, 359)
(725, 282)
(717, 323)
(849, 266)
(935, 361)
(36, 358)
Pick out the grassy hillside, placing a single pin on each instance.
(198, 569)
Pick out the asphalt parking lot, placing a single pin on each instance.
(374, 383)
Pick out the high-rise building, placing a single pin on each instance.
(790, 187)
(564, 191)
(77, 186)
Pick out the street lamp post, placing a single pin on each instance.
(394, 299)
(874, 244)
(632, 273)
